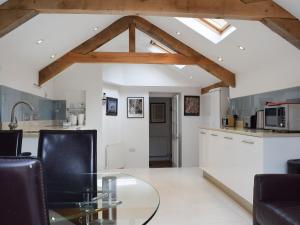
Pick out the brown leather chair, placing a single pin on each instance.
(276, 200)
(22, 192)
(11, 142)
(69, 158)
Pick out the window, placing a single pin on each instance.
(214, 30)
(159, 48)
(218, 25)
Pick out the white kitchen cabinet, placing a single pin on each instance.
(202, 145)
(30, 144)
(234, 159)
(214, 106)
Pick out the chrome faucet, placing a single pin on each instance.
(13, 119)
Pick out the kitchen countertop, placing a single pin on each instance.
(253, 133)
(35, 132)
(32, 128)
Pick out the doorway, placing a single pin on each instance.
(164, 131)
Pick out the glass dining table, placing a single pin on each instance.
(106, 199)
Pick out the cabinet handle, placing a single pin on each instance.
(202, 133)
(248, 142)
(214, 135)
(228, 138)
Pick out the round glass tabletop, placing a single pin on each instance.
(102, 198)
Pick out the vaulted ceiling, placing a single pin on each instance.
(61, 33)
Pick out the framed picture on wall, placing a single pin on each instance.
(111, 106)
(191, 105)
(135, 107)
(157, 112)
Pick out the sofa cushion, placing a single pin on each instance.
(278, 213)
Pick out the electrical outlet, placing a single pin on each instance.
(132, 150)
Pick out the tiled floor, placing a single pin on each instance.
(188, 199)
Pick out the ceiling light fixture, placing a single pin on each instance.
(242, 47)
(40, 41)
(95, 28)
(53, 56)
(178, 33)
(220, 59)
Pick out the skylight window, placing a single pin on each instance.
(159, 48)
(214, 30)
(219, 25)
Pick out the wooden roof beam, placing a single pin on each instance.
(131, 58)
(120, 26)
(213, 86)
(254, 1)
(88, 46)
(132, 41)
(11, 19)
(233, 9)
(289, 29)
(166, 39)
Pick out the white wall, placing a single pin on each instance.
(135, 132)
(154, 76)
(87, 77)
(111, 125)
(275, 76)
(190, 126)
(19, 76)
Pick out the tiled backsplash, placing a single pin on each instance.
(247, 106)
(46, 109)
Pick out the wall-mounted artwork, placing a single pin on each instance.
(111, 106)
(191, 105)
(135, 107)
(158, 113)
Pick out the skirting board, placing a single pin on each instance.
(240, 200)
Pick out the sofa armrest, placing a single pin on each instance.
(277, 187)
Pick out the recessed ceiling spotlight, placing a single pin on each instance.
(178, 33)
(53, 56)
(242, 47)
(220, 59)
(95, 28)
(40, 41)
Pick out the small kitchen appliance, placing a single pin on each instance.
(282, 117)
(260, 119)
(229, 121)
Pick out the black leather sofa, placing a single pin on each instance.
(276, 200)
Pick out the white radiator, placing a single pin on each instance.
(115, 157)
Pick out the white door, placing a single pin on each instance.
(176, 150)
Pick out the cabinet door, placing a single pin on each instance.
(228, 165)
(250, 155)
(30, 144)
(214, 156)
(203, 148)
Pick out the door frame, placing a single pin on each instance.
(179, 122)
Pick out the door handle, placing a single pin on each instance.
(202, 133)
(228, 138)
(248, 142)
(214, 135)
